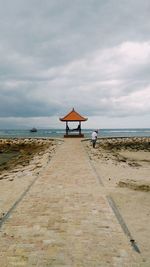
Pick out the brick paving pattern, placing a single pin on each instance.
(65, 219)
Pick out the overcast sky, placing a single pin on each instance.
(93, 55)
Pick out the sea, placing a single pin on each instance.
(59, 133)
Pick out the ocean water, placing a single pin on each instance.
(58, 133)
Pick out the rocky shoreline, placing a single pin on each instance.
(131, 153)
(20, 157)
(136, 143)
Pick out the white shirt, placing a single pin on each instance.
(94, 136)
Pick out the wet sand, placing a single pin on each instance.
(124, 167)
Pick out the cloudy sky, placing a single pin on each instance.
(93, 55)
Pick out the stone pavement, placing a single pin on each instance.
(65, 219)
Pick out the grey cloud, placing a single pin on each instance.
(67, 29)
(59, 54)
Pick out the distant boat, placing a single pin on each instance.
(33, 130)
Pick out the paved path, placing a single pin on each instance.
(65, 219)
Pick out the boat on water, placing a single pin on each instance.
(33, 130)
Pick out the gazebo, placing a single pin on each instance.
(73, 116)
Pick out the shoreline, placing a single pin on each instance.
(27, 149)
(59, 133)
(28, 154)
(125, 153)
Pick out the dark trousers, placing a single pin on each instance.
(94, 143)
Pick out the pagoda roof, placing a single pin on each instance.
(73, 116)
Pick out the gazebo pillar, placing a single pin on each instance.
(80, 128)
(67, 128)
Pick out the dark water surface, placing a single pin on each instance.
(6, 156)
(58, 133)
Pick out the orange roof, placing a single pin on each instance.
(73, 116)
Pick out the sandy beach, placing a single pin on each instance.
(73, 223)
(21, 161)
(124, 167)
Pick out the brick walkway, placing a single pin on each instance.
(65, 219)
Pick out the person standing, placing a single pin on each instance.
(94, 137)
